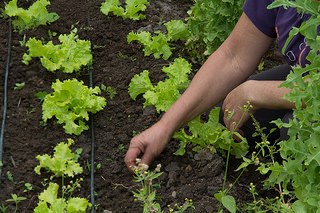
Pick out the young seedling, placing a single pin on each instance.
(28, 187)
(146, 195)
(16, 199)
(3, 208)
(19, 86)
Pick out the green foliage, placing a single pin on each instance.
(33, 17)
(49, 202)
(146, 194)
(301, 152)
(130, 11)
(227, 201)
(166, 92)
(176, 30)
(3, 208)
(209, 135)
(69, 56)
(156, 45)
(16, 199)
(19, 86)
(62, 163)
(71, 103)
(210, 22)
(159, 44)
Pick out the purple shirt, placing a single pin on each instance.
(277, 23)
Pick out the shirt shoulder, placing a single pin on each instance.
(264, 19)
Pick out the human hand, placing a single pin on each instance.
(237, 106)
(149, 143)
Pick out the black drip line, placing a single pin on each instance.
(5, 93)
(92, 152)
(4, 115)
(92, 169)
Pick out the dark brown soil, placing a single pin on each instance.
(115, 62)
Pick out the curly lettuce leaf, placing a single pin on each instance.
(177, 30)
(71, 102)
(130, 11)
(165, 93)
(69, 56)
(156, 45)
(36, 15)
(50, 203)
(62, 163)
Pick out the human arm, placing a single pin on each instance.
(260, 94)
(225, 69)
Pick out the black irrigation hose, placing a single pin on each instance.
(5, 92)
(92, 152)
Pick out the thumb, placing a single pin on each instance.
(131, 156)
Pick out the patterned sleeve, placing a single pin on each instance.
(263, 18)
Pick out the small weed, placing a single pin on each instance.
(10, 176)
(16, 199)
(109, 90)
(3, 208)
(41, 95)
(146, 195)
(19, 86)
(28, 187)
(121, 148)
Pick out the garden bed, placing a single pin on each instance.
(115, 62)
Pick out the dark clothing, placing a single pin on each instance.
(277, 23)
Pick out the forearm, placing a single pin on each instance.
(211, 84)
(268, 95)
(225, 69)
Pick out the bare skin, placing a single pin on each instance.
(222, 76)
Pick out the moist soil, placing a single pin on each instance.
(115, 62)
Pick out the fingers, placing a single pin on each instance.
(134, 151)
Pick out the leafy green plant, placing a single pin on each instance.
(130, 11)
(299, 171)
(3, 208)
(28, 187)
(16, 199)
(36, 15)
(69, 56)
(71, 102)
(159, 44)
(41, 95)
(177, 30)
(156, 45)
(210, 135)
(10, 176)
(62, 163)
(111, 91)
(210, 22)
(49, 202)
(19, 86)
(166, 92)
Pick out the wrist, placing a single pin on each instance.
(253, 94)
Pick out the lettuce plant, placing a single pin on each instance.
(36, 15)
(166, 92)
(130, 11)
(69, 56)
(71, 102)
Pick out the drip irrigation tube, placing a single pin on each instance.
(92, 152)
(5, 92)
